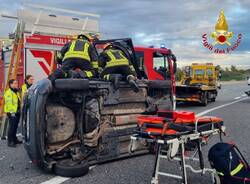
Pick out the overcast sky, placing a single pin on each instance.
(179, 24)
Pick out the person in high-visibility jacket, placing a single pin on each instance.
(12, 105)
(116, 65)
(77, 54)
(29, 80)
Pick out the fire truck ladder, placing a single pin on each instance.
(15, 62)
(39, 19)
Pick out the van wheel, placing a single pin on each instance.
(204, 99)
(70, 168)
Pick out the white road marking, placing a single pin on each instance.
(59, 179)
(56, 180)
(238, 97)
(92, 167)
(219, 107)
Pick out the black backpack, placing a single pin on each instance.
(229, 163)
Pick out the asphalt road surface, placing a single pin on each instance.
(231, 104)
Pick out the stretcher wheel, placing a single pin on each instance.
(216, 179)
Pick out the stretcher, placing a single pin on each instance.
(174, 134)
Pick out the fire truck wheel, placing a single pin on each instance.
(70, 168)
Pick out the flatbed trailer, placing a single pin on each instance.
(199, 84)
(199, 93)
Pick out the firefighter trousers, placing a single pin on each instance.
(13, 125)
(123, 70)
(71, 64)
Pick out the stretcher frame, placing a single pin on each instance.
(176, 145)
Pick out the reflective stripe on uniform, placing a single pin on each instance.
(116, 63)
(107, 77)
(24, 89)
(237, 169)
(220, 173)
(74, 52)
(88, 74)
(94, 64)
(233, 172)
(116, 58)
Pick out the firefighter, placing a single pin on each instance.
(29, 80)
(12, 105)
(78, 53)
(116, 65)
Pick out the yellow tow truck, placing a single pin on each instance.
(198, 84)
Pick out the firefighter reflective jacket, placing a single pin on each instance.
(79, 49)
(115, 58)
(11, 100)
(24, 89)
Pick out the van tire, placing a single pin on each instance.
(71, 84)
(66, 169)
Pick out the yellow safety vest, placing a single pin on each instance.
(11, 101)
(116, 58)
(24, 89)
(75, 52)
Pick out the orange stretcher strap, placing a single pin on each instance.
(160, 131)
(158, 125)
(157, 120)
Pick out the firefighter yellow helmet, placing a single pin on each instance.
(107, 46)
(84, 37)
(112, 46)
(88, 36)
